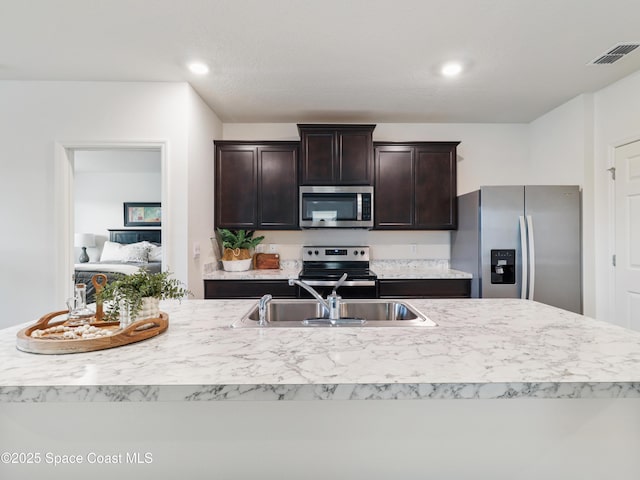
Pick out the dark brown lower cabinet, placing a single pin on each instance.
(421, 288)
(426, 288)
(220, 289)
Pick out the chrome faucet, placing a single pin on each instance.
(262, 309)
(332, 304)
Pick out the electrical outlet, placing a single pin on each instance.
(273, 248)
(196, 249)
(413, 249)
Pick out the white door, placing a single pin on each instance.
(627, 187)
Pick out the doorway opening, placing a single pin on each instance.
(93, 182)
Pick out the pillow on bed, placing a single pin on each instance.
(136, 252)
(111, 252)
(132, 253)
(155, 253)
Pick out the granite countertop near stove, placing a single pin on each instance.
(384, 269)
(416, 269)
(481, 349)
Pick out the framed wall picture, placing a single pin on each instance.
(142, 214)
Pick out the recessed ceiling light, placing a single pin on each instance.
(199, 68)
(451, 69)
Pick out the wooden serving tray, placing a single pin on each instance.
(53, 343)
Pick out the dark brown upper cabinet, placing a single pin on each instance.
(256, 185)
(336, 154)
(415, 186)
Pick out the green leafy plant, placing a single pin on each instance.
(234, 239)
(129, 290)
(237, 243)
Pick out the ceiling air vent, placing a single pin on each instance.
(614, 54)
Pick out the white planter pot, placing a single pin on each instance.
(236, 265)
(150, 309)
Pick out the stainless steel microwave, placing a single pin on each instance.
(336, 207)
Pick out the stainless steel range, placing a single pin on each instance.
(322, 267)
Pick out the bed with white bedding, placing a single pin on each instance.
(126, 252)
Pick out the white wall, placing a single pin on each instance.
(204, 127)
(37, 116)
(617, 121)
(557, 144)
(103, 181)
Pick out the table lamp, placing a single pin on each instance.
(84, 240)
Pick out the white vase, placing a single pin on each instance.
(150, 309)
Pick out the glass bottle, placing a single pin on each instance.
(79, 313)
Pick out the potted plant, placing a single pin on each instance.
(236, 248)
(136, 297)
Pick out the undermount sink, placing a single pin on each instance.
(353, 313)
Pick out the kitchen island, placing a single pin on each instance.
(499, 389)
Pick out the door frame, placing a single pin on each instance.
(63, 184)
(611, 240)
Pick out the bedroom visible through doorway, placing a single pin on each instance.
(116, 219)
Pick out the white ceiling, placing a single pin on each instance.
(332, 60)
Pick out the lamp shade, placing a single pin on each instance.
(84, 240)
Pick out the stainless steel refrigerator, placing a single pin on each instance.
(522, 242)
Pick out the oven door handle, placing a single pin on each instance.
(332, 283)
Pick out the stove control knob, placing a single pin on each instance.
(361, 252)
(355, 252)
(316, 252)
(309, 252)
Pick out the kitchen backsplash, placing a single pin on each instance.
(389, 249)
(377, 252)
(385, 245)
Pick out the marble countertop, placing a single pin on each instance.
(481, 348)
(268, 274)
(384, 269)
(403, 273)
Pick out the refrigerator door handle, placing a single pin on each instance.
(524, 254)
(532, 257)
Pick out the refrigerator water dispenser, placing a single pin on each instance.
(503, 266)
